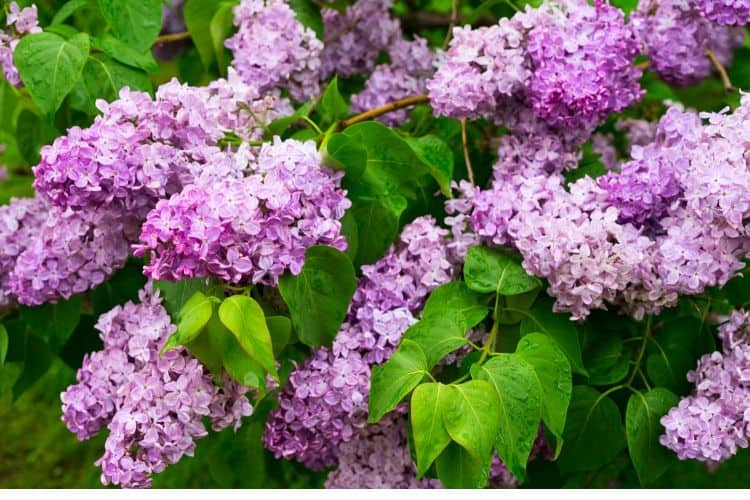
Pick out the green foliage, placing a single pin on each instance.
(394, 380)
(309, 15)
(135, 22)
(245, 319)
(191, 319)
(318, 297)
(643, 429)
(488, 271)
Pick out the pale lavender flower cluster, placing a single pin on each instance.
(152, 405)
(251, 229)
(273, 50)
(325, 401)
(354, 39)
(726, 12)
(711, 424)
(19, 224)
(676, 37)
(412, 62)
(567, 60)
(20, 22)
(140, 150)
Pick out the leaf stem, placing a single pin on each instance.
(465, 146)
(641, 352)
(312, 124)
(452, 23)
(172, 37)
(728, 87)
(489, 345)
(386, 108)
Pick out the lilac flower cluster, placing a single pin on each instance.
(325, 401)
(676, 37)
(153, 405)
(251, 229)
(567, 60)
(20, 22)
(354, 39)
(411, 64)
(19, 223)
(272, 49)
(726, 12)
(140, 150)
(711, 424)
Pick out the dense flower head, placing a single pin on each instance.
(19, 22)
(354, 38)
(411, 64)
(152, 404)
(325, 401)
(711, 424)
(141, 149)
(20, 221)
(676, 37)
(273, 50)
(251, 229)
(727, 12)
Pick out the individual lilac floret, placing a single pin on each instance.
(325, 401)
(411, 64)
(675, 37)
(20, 222)
(726, 12)
(482, 69)
(273, 50)
(19, 22)
(69, 253)
(141, 150)
(582, 60)
(354, 39)
(378, 457)
(248, 230)
(714, 422)
(153, 405)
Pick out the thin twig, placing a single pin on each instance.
(451, 24)
(465, 145)
(720, 70)
(386, 108)
(172, 37)
(643, 65)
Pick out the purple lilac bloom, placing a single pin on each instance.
(325, 401)
(603, 145)
(711, 424)
(273, 50)
(411, 64)
(153, 405)
(141, 150)
(19, 22)
(354, 39)
(248, 230)
(20, 221)
(675, 37)
(726, 12)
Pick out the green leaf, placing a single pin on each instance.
(668, 367)
(280, 328)
(319, 296)
(379, 220)
(198, 15)
(124, 53)
(520, 407)
(309, 15)
(241, 366)
(220, 27)
(393, 380)
(428, 403)
(244, 317)
(208, 346)
(487, 271)
(438, 158)
(343, 153)
(192, 317)
(455, 300)
(332, 105)
(32, 133)
(123, 286)
(558, 327)
(50, 66)
(555, 378)
(67, 10)
(350, 231)
(643, 428)
(37, 360)
(176, 293)
(593, 432)
(135, 22)
(102, 79)
(437, 336)
(605, 361)
(472, 417)
(53, 323)
(3, 344)
(456, 468)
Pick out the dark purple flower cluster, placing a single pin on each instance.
(726, 12)
(152, 405)
(251, 229)
(325, 400)
(711, 424)
(19, 22)
(273, 50)
(567, 60)
(676, 37)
